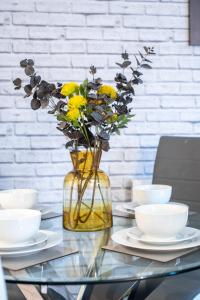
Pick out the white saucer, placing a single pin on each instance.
(40, 238)
(121, 237)
(187, 234)
(53, 239)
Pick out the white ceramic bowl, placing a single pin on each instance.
(18, 198)
(18, 225)
(151, 193)
(161, 221)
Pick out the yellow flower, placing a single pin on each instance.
(107, 90)
(69, 88)
(73, 114)
(76, 102)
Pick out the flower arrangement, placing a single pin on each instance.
(88, 114)
(90, 111)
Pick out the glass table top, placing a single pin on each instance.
(94, 265)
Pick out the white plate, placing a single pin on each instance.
(187, 234)
(122, 238)
(53, 239)
(40, 238)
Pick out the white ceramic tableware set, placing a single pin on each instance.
(160, 224)
(147, 194)
(20, 224)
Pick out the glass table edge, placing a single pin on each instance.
(103, 281)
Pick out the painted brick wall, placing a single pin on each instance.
(65, 37)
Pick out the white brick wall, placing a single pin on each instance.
(65, 37)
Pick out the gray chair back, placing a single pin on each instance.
(178, 164)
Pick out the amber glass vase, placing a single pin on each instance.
(87, 201)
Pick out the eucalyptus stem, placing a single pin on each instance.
(78, 204)
(71, 196)
(94, 188)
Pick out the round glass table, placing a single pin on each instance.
(93, 265)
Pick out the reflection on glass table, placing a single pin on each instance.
(94, 265)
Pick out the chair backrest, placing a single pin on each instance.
(178, 164)
(3, 293)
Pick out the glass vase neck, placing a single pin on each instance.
(84, 160)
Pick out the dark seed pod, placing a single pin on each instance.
(35, 104)
(93, 70)
(23, 63)
(51, 87)
(98, 80)
(44, 102)
(35, 80)
(41, 93)
(44, 83)
(104, 135)
(28, 89)
(30, 62)
(105, 145)
(124, 55)
(17, 82)
(29, 70)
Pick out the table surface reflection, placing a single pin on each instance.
(94, 265)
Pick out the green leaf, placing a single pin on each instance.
(76, 124)
(61, 117)
(83, 88)
(85, 83)
(82, 91)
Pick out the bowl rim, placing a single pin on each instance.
(13, 213)
(11, 191)
(144, 206)
(150, 187)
